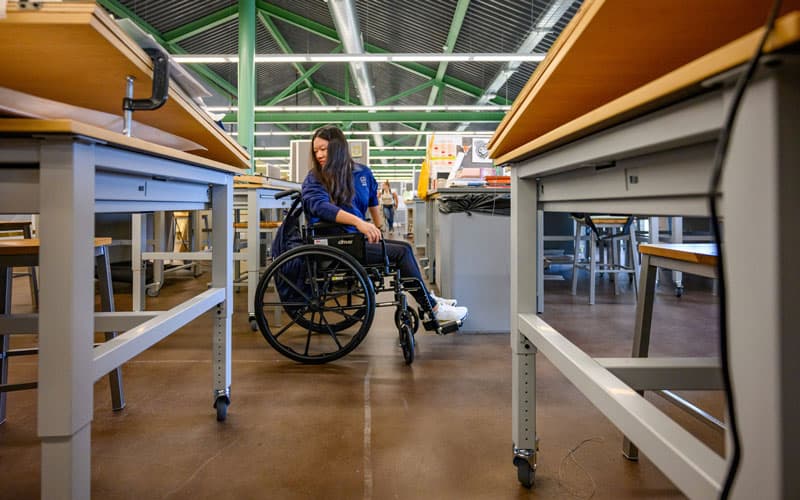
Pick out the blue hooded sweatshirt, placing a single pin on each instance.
(319, 207)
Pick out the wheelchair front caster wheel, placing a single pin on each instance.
(221, 404)
(253, 324)
(525, 473)
(679, 291)
(152, 291)
(407, 343)
(409, 316)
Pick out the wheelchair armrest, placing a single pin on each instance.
(324, 225)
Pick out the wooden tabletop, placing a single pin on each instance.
(612, 54)
(264, 225)
(600, 221)
(33, 127)
(73, 52)
(30, 246)
(698, 253)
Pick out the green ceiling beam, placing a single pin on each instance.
(335, 93)
(284, 45)
(245, 124)
(193, 28)
(211, 77)
(347, 85)
(418, 153)
(214, 79)
(422, 70)
(395, 142)
(299, 89)
(290, 90)
(405, 93)
(303, 79)
(452, 37)
(381, 116)
(330, 33)
(121, 11)
(441, 71)
(297, 20)
(272, 154)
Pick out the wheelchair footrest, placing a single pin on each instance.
(444, 328)
(448, 327)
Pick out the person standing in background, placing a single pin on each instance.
(389, 204)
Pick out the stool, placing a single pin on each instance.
(692, 258)
(25, 252)
(606, 233)
(25, 228)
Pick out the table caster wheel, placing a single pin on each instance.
(525, 473)
(221, 404)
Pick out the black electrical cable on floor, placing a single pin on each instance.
(719, 162)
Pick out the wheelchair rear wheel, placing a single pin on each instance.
(314, 304)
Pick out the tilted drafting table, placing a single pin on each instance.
(67, 171)
(620, 118)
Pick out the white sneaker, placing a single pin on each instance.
(446, 312)
(440, 300)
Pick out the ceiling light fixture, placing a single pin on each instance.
(350, 58)
(312, 109)
(307, 133)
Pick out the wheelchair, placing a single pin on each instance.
(316, 301)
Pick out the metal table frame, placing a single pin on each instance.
(660, 164)
(254, 200)
(251, 199)
(67, 178)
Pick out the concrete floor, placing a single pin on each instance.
(366, 426)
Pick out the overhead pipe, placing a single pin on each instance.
(345, 21)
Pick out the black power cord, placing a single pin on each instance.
(719, 162)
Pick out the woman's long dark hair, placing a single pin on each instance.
(337, 174)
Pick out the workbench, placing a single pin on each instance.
(644, 144)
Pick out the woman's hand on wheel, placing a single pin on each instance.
(370, 231)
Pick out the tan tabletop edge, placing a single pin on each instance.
(263, 224)
(610, 220)
(786, 32)
(31, 245)
(700, 253)
(31, 126)
(43, 64)
(558, 51)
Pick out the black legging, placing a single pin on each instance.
(401, 256)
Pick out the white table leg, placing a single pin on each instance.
(540, 261)
(138, 266)
(253, 249)
(66, 317)
(761, 172)
(524, 300)
(222, 277)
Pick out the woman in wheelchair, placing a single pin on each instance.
(316, 301)
(339, 190)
